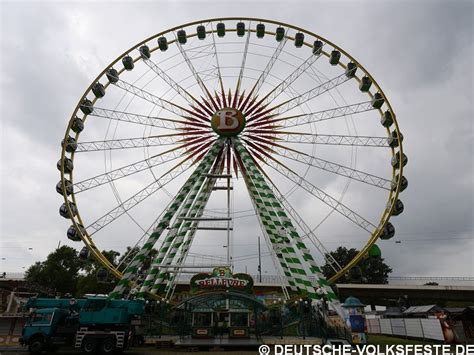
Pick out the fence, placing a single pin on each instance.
(426, 328)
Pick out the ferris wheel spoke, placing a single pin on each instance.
(242, 66)
(313, 117)
(302, 98)
(190, 99)
(324, 197)
(310, 138)
(140, 196)
(261, 80)
(221, 83)
(159, 102)
(152, 141)
(152, 121)
(282, 86)
(325, 165)
(196, 75)
(139, 166)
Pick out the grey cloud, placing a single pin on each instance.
(421, 54)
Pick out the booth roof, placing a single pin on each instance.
(208, 299)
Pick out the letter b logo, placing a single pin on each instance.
(228, 122)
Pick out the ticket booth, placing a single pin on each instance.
(239, 323)
(222, 305)
(203, 323)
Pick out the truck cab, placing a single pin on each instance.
(42, 326)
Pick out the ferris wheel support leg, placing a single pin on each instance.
(306, 229)
(132, 268)
(320, 281)
(195, 203)
(175, 236)
(295, 264)
(268, 217)
(206, 193)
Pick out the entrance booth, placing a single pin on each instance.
(222, 305)
(220, 314)
(239, 323)
(202, 323)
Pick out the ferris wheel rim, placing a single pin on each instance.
(393, 194)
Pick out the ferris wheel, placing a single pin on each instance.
(168, 138)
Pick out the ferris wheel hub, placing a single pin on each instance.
(228, 122)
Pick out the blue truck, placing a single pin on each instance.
(94, 324)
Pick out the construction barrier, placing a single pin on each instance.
(425, 328)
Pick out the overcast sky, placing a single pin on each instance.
(421, 53)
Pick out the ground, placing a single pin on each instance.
(387, 340)
(374, 339)
(143, 351)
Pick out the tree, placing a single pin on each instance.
(64, 272)
(89, 282)
(372, 270)
(58, 272)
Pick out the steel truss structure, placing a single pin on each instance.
(210, 122)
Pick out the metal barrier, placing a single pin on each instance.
(426, 328)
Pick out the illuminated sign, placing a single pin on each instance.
(222, 279)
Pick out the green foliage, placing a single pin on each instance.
(89, 283)
(59, 271)
(63, 272)
(372, 270)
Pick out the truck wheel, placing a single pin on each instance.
(89, 346)
(36, 346)
(107, 346)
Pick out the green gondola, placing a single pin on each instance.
(279, 33)
(182, 39)
(162, 43)
(334, 57)
(260, 30)
(145, 52)
(127, 62)
(299, 40)
(377, 100)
